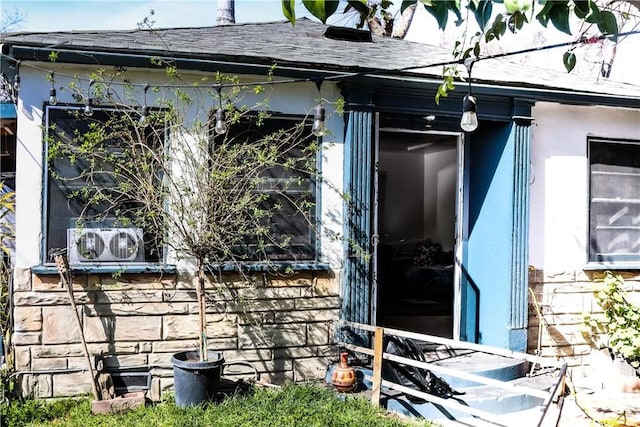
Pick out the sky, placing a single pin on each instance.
(65, 15)
(60, 15)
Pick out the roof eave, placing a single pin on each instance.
(257, 65)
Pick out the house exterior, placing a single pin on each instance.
(431, 229)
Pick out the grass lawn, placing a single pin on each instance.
(291, 405)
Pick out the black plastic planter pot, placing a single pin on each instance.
(194, 381)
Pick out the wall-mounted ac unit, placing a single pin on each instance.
(105, 245)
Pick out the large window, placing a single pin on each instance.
(89, 227)
(614, 226)
(96, 220)
(287, 191)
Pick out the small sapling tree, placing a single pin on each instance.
(212, 180)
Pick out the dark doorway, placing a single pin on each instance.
(417, 186)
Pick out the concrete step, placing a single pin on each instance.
(473, 362)
(494, 400)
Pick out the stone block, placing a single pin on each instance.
(270, 293)
(576, 303)
(174, 346)
(280, 377)
(36, 386)
(322, 315)
(49, 364)
(327, 351)
(317, 303)
(177, 296)
(183, 327)
(155, 392)
(63, 350)
(21, 279)
(162, 360)
(46, 282)
(72, 384)
(256, 319)
(318, 333)
(123, 361)
(260, 305)
(139, 281)
(80, 362)
(275, 365)
(125, 297)
(136, 309)
(27, 319)
(325, 287)
(309, 369)
(123, 328)
(285, 335)
(40, 299)
(249, 355)
(26, 338)
(22, 358)
(119, 404)
(294, 352)
(163, 371)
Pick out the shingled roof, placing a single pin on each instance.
(304, 46)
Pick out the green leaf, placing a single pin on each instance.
(543, 15)
(289, 10)
(608, 24)
(593, 17)
(439, 9)
(386, 4)
(360, 6)
(559, 15)
(321, 9)
(569, 59)
(482, 12)
(582, 8)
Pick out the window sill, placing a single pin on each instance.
(108, 269)
(619, 266)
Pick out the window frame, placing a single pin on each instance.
(314, 261)
(593, 263)
(46, 265)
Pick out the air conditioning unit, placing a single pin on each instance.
(105, 245)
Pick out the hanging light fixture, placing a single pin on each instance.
(318, 128)
(469, 120)
(221, 125)
(53, 99)
(88, 105)
(16, 78)
(144, 111)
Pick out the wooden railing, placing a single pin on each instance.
(554, 394)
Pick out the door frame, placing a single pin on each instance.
(459, 231)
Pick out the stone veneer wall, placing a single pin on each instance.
(283, 327)
(562, 299)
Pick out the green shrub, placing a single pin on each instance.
(619, 321)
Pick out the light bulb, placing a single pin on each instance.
(318, 128)
(53, 100)
(469, 121)
(221, 126)
(144, 117)
(88, 107)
